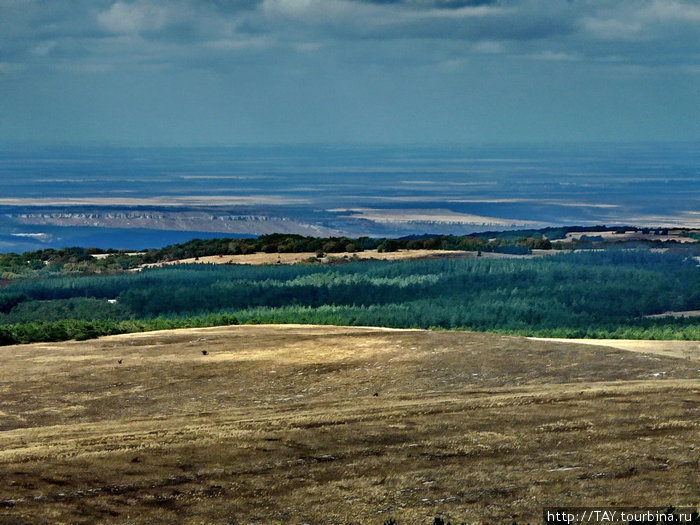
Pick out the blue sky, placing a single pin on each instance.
(348, 71)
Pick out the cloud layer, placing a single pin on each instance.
(149, 33)
(231, 71)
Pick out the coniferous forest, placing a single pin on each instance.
(589, 294)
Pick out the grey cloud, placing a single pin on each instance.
(442, 4)
(42, 33)
(136, 17)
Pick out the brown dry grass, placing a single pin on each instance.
(260, 258)
(678, 236)
(280, 424)
(680, 349)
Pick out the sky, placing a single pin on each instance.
(227, 72)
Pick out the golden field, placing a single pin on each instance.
(323, 424)
(261, 258)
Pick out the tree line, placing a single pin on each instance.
(93, 261)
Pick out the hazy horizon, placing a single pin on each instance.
(143, 197)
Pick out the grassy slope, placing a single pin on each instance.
(280, 424)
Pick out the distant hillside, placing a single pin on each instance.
(81, 260)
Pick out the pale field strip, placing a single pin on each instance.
(633, 236)
(679, 349)
(685, 313)
(261, 258)
(105, 255)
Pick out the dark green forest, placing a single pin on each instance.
(588, 294)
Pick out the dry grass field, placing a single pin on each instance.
(261, 258)
(635, 235)
(682, 349)
(318, 424)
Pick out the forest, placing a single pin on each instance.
(587, 294)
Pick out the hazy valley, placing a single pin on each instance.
(137, 198)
